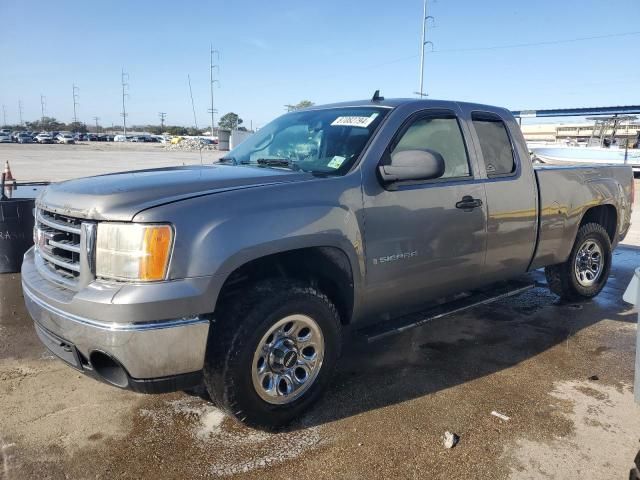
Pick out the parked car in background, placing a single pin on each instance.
(5, 137)
(92, 137)
(5, 130)
(44, 138)
(80, 137)
(24, 137)
(14, 135)
(65, 138)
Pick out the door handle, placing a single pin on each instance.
(468, 203)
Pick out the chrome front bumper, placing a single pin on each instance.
(146, 349)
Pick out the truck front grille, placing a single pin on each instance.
(58, 240)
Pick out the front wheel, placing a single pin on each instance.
(586, 271)
(271, 352)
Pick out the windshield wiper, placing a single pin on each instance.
(277, 162)
(228, 159)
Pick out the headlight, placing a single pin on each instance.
(134, 252)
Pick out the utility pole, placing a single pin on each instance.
(125, 86)
(4, 116)
(75, 103)
(20, 111)
(96, 120)
(43, 102)
(162, 115)
(213, 81)
(423, 42)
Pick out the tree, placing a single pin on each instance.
(47, 124)
(229, 121)
(303, 104)
(77, 127)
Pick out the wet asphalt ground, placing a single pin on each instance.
(561, 372)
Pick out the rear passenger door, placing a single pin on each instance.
(511, 194)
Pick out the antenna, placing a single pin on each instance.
(376, 96)
(162, 115)
(423, 42)
(195, 120)
(212, 81)
(125, 87)
(75, 103)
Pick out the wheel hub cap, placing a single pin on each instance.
(287, 359)
(589, 263)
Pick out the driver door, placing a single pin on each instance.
(420, 243)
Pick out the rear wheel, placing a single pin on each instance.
(271, 352)
(587, 269)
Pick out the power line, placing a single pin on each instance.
(538, 44)
(43, 103)
(423, 42)
(495, 47)
(75, 103)
(125, 86)
(212, 82)
(195, 120)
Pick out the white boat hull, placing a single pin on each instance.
(599, 155)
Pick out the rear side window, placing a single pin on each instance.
(441, 134)
(495, 145)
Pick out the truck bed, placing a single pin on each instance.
(565, 193)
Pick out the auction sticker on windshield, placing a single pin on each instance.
(354, 121)
(336, 162)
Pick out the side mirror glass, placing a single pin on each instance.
(413, 165)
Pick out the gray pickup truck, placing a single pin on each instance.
(247, 274)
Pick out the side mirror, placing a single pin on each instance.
(413, 165)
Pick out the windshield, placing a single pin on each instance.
(318, 141)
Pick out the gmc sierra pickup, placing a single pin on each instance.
(245, 274)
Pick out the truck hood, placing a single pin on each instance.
(120, 196)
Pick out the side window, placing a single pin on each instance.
(495, 145)
(443, 135)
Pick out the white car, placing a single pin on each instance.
(65, 138)
(5, 137)
(44, 138)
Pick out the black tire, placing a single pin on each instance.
(239, 325)
(562, 278)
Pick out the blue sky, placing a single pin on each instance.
(282, 51)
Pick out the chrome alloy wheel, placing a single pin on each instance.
(589, 263)
(288, 359)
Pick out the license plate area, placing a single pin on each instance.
(59, 347)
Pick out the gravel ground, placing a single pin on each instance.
(34, 162)
(529, 357)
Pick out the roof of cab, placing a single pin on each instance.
(396, 102)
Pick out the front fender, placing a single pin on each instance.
(219, 233)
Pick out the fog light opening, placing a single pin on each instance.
(108, 369)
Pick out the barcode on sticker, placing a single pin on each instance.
(354, 121)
